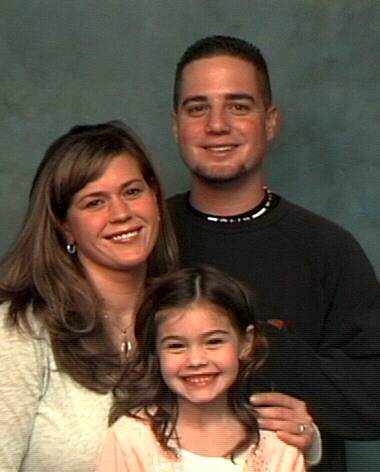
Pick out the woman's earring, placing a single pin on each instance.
(71, 248)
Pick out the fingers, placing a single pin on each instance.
(286, 415)
(301, 436)
(289, 426)
(275, 405)
(299, 418)
(277, 399)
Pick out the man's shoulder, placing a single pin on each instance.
(179, 209)
(177, 201)
(303, 218)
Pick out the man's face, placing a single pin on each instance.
(222, 125)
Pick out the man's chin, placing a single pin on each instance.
(218, 176)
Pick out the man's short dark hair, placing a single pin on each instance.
(224, 46)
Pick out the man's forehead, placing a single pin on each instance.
(222, 76)
(217, 61)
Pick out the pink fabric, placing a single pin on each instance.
(130, 446)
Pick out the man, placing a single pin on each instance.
(319, 296)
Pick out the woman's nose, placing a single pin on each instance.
(120, 210)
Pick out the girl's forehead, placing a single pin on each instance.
(196, 315)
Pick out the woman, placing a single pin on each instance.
(96, 231)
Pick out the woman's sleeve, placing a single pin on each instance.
(23, 375)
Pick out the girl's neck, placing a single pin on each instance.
(218, 427)
(207, 413)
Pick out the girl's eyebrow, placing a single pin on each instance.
(171, 338)
(204, 335)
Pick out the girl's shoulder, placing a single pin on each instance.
(275, 455)
(127, 428)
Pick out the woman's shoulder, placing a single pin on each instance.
(27, 323)
(26, 338)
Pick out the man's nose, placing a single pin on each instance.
(218, 121)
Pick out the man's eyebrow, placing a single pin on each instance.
(194, 98)
(228, 96)
(240, 96)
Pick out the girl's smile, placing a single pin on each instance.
(199, 352)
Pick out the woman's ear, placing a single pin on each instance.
(67, 232)
(247, 342)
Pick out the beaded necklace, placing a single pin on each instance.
(269, 202)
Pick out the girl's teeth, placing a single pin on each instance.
(198, 379)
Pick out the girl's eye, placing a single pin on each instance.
(175, 346)
(215, 342)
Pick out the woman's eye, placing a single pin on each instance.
(134, 192)
(93, 203)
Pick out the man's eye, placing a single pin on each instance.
(240, 108)
(196, 110)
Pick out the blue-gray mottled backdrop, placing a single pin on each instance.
(64, 62)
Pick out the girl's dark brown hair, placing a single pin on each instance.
(142, 391)
(38, 273)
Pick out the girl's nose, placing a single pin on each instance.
(197, 357)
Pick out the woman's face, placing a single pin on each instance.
(114, 220)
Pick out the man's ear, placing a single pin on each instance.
(175, 126)
(273, 122)
(247, 342)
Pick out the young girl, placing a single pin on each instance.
(183, 403)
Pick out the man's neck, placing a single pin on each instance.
(226, 199)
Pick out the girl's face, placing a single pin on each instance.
(114, 220)
(199, 352)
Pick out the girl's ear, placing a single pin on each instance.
(247, 342)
